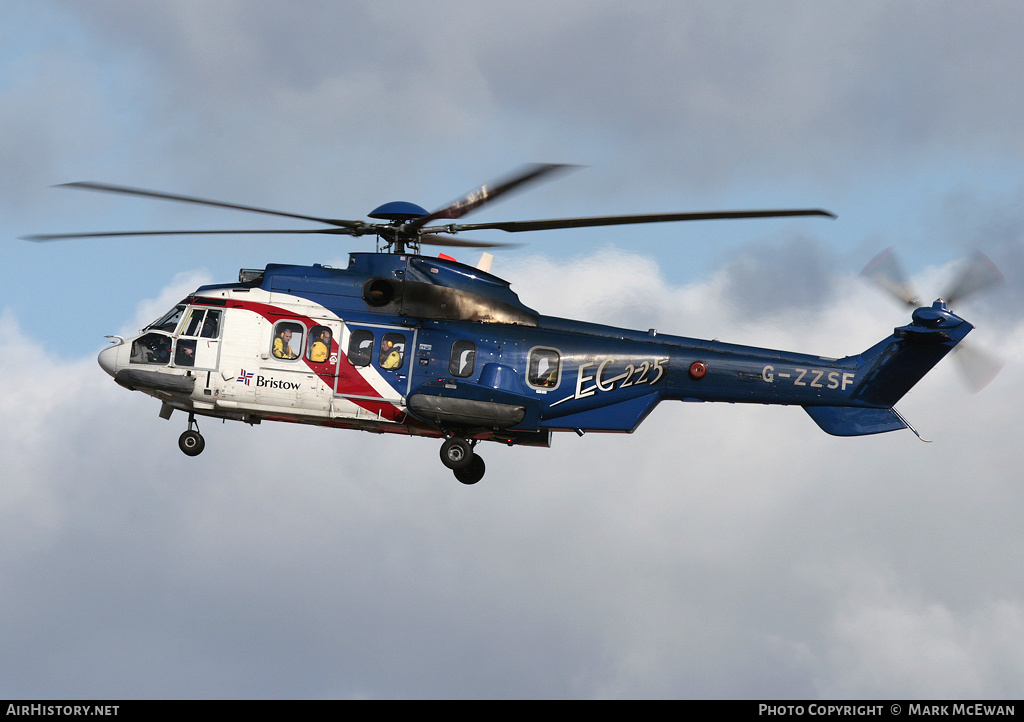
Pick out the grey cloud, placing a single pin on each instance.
(767, 279)
(702, 93)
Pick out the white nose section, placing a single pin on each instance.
(108, 359)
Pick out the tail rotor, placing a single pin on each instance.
(976, 275)
(885, 271)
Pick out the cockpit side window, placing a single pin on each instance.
(194, 322)
(185, 352)
(151, 348)
(204, 322)
(544, 368)
(168, 322)
(211, 324)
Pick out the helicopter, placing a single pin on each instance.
(405, 343)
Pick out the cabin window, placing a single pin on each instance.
(185, 352)
(287, 340)
(360, 348)
(544, 368)
(392, 351)
(319, 348)
(169, 322)
(151, 348)
(463, 359)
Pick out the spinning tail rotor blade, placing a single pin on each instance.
(885, 270)
(978, 274)
(978, 367)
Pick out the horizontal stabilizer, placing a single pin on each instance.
(854, 421)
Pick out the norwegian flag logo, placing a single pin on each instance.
(245, 378)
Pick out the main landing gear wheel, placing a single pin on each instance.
(456, 453)
(191, 442)
(472, 473)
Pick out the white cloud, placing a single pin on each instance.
(887, 643)
(150, 310)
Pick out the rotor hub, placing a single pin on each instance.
(398, 211)
(936, 316)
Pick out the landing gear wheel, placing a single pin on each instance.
(191, 442)
(456, 453)
(472, 473)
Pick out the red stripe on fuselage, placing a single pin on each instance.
(350, 381)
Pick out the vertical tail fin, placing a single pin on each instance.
(889, 369)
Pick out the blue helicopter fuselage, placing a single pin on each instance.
(429, 346)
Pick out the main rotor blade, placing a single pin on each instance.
(885, 270)
(62, 236)
(434, 240)
(88, 185)
(586, 221)
(487, 193)
(978, 274)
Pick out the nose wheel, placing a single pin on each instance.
(457, 454)
(191, 442)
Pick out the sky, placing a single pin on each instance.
(720, 551)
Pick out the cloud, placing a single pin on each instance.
(700, 96)
(901, 646)
(150, 310)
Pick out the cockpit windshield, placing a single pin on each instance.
(169, 322)
(174, 338)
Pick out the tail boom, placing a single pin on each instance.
(850, 396)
